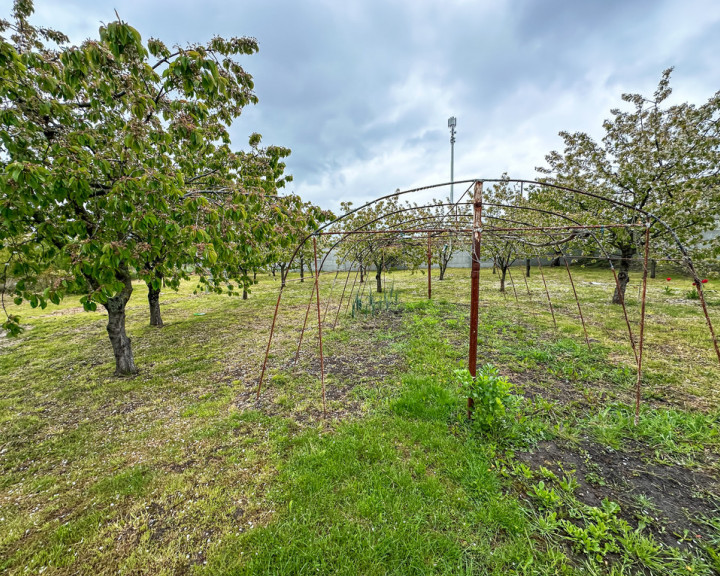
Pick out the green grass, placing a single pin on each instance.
(179, 470)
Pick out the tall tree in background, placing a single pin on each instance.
(90, 176)
(445, 245)
(377, 249)
(659, 158)
(307, 218)
(503, 202)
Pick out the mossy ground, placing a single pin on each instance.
(179, 469)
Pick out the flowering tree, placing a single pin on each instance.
(658, 158)
(376, 248)
(218, 182)
(95, 144)
(452, 219)
(503, 208)
(307, 218)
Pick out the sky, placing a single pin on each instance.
(361, 91)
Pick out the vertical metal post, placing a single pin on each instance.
(513, 285)
(342, 296)
(547, 292)
(317, 294)
(332, 287)
(352, 291)
(642, 322)
(429, 256)
(527, 286)
(267, 350)
(475, 286)
(698, 285)
(577, 300)
(304, 326)
(707, 314)
(624, 307)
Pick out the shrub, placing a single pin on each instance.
(490, 393)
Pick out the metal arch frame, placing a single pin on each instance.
(649, 216)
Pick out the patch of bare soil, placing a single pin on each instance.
(68, 311)
(537, 384)
(360, 360)
(680, 497)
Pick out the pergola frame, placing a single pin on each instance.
(477, 230)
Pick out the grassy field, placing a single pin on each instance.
(179, 470)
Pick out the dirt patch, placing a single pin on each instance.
(69, 311)
(679, 497)
(354, 359)
(533, 385)
(179, 467)
(350, 369)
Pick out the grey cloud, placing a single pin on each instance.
(345, 85)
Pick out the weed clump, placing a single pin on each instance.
(490, 393)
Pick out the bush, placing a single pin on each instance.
(490, 393)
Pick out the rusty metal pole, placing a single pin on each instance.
(429, 255)
(513, 285)
(642, 323)
(352, 290)
(317, 294)
(475, 287)
(332, 287)
(342, 296)
(707, 315)
(577, 300)
(547, 293)
(304, 326)
(701, 294)
(527, 287)
(530, 298)
(624, 307)
(267, 350)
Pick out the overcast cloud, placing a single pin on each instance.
(361, 90)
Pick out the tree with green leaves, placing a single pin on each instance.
(91, 178)
(664, 159)
(375, 248)
(452, 219)
(307, 219)
(503, 208)
(212, 174)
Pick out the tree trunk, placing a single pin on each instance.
(443, 266)
(623, 276)
(527, 267)
(302, 268)
(623, 280)
(378, 278)
(494, 267)
(362, 274)
(282, 275)
(503, 269)
(254, 276)
(154, 301)
(115, 306)
(653, 268)
(244, 273)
